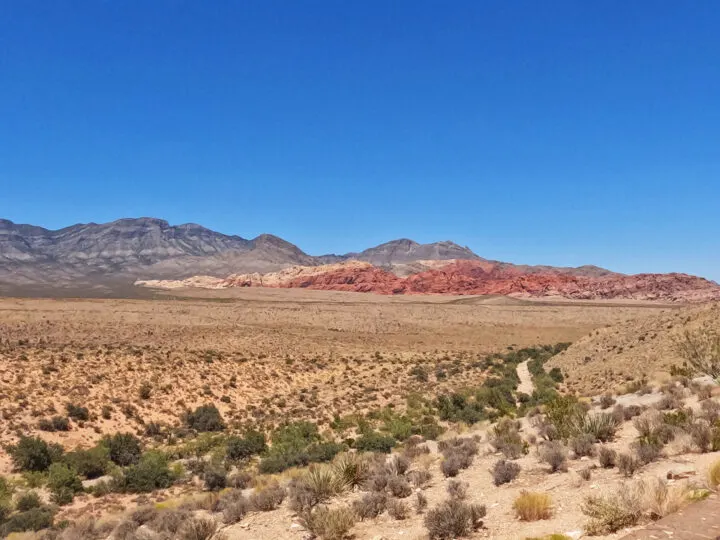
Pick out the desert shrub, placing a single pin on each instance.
(34, 519)
(457, 489)
(91, 463)
(28, 501)
(701, 350)
(123, 448)
(661, 499)
(168, 521)
(251, 444)
(504, 472)
(459, 408)
(150, 473)
(585, 473)
(530, 506)
(628, 464)
(399, 510)
(420, 502)
(555, 455)
(611, 513)
(419, 477)
(582, 445)
(669, 401)
(563, 414)
(375, 442)
(34, 454)
(6, 509)
(239, 480)
(329, 523)
(453, 519)
(377, 481)
(197, 529)
(458, 454)
(323, 452)
(702, 436)
(607, 457)
(607, 401)
(506, 438)
(205, 418)
(714, 475)
(268, 498)
(646, 451)
(56, 423)
(450, 466)
(397, 465)
(370, 505)
(710, 410)
(399, 487)
(63, 483)
(233, 505)
(215, 477)
(554, 536)
(145, 390)
(351, 469)
(77, 412)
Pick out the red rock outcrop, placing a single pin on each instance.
(470, 277)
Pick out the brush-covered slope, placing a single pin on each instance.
(632, 350)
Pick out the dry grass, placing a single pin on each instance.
(530, 506)
(714, 475)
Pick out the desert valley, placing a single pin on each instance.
(163, 382)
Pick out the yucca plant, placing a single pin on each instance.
(602, 426)
(351, 469)
(323, 482)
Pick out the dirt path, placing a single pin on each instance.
(526, 385)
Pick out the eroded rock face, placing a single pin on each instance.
(473, 277)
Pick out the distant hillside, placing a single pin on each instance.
(610, 357)
(102, 258)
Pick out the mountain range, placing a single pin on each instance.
(113, 256)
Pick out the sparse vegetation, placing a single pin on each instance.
(531, 506)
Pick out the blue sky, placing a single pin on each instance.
(535, 132)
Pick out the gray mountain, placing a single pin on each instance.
(120, 251)
(109, 257)
(405, 251)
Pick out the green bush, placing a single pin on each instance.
(375, 442)
(123, 448)
(150, 473)
(205, 418)
(34, 454)
(323, 452)
(295, 435)
(28, 501)
(242, 448)
(63, 482)
(91, 463)
(76, 412)
(34, 519)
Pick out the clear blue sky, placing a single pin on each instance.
(560, 132)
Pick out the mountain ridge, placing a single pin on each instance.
(146, 248)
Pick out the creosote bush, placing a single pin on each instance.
(555, 455)
(453, 519)
(607, 457)
(34, 454)
(370, 505)
(329, 523)
(205, 418)
(504, 472)
(123, 448)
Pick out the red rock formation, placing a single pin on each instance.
(473, 277)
